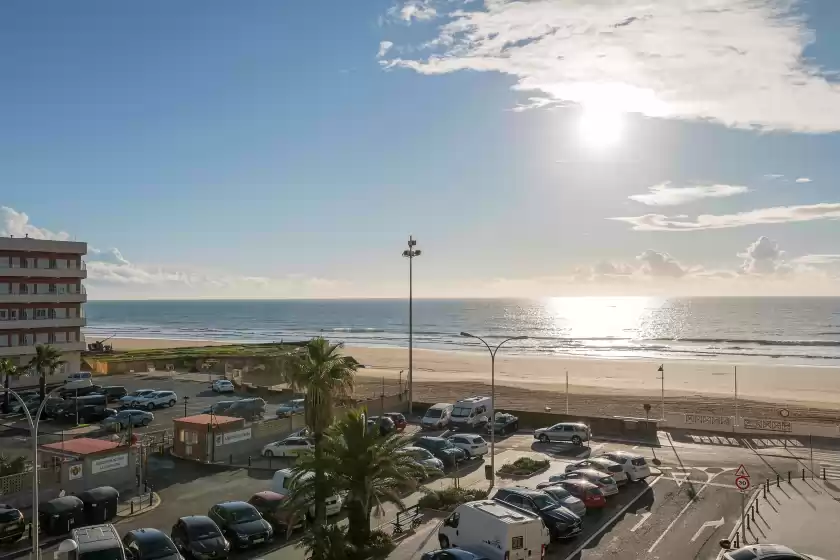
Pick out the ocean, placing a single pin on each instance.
(799, 330)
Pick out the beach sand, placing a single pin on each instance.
(596, 386)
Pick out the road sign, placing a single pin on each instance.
(742, 471)
(742, 482)
(784, 413)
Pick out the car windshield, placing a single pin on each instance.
(158, 548)
(640, 462)
(138, 393)
(434, 413)
(558, 493)
(244, 515)
(421, 453)
(461, 412)
(104, 554)
(543, 501)
(437, 443)
(202, 531)
(606, 480)
(9, 515)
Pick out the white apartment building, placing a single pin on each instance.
(41, 298)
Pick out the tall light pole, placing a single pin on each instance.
(410, 253)
(662, 371)
(493, 397)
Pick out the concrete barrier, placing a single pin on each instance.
(758, 426)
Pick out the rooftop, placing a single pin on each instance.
(206, 419)
(82, 446)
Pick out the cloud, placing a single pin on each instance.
(764, 257)
(421, 10)
(741, 63)
(384, 47)
(112, 256)
(773, 176)
(666, 195)
(606, 268)
(16, 224)
(760, 216)
(655, 263)
(803, 180)
(817, 259)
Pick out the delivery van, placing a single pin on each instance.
(437, 417)
(491, 529)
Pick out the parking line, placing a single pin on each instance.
(612, 520)
(690, 502)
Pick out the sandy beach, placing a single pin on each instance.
(610, 387)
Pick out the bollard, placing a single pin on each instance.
(788, 477)
(803, 474)
(249, 461)
(778, 479)
(270, 457)
(755, 505)
(150, 497)
(823, 473)
(747, 519)
(765, 491)
(132, 505)
(752, 513)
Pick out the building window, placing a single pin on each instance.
(71, 289)
(25, 314)
(71, 312)
(51, 338)
(40, 313)
(23, 289)
(5, 288)
(4, 340)
(71, 263)
(4, 314)
(61, 336)
(52, 289)
(13, 314)
(5, 262)
(43, 263)
(188, 437)
(24, 263)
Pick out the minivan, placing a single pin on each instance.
(471, 412)
(496, 531)
(249, 409)
(281, 483)
(437, 417)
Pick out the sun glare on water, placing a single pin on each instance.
(600, 127)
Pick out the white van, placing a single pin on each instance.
(471, 412)
(437, 417)
(282, 480)
(489, 528)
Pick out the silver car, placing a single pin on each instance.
(128, 417)
(573, 432)
(602, 480)
(565, 498)
(601, 464)
(424, 458)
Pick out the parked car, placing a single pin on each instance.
(128, 400)
(560, 521)
(113, 392)
(382, 423)
(12, 524)
(436, 417)
(471, 412)
(289, 447)
(223, 386)
(451, 554)
(284, 479)
(399, 420)
(94, 413)
(272, 506)
(634, 465)
(566, 499)
(603, 465)
(150, 544)
(156, 399)
(442, 448)
(78, 375)
(766, 552)
(472, 444)
(32, 402)
(241, 524)
(80, 391)
(53, 407)
(249, 409)
(87, 408)
(219, 407)
(495, 530)
(573, 432)
(294, 406)
(503, 423)
(605, 482)
(128, 417)
(583, 490)
(424, 458)
(199, 537)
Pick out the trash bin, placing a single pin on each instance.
(488, 472)
(60, 515)
(100, 504)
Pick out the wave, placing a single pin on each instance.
(353, 330)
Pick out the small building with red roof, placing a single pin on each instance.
(85, 462)
(202, 437)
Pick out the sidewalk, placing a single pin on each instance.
(801, 515)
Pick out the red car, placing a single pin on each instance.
(399, 420)
(585, 491)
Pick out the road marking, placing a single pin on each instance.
(674, 522)
(675, 476)
(714, 524)
(641, 522)
(612, 519)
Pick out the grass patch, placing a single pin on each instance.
(524, 466)
(450, 498)
(267, 350)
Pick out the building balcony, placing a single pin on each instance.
(43, 298)
(69, 273)
(6, 351)
(19, 324)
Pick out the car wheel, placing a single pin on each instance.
(268, 453)
(172, 403)
(543, 438)
(151, 406)
(576, 440)
(444, 541)
(145, 422)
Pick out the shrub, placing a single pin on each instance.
(524, 466)
(380, 545)
(450, 498)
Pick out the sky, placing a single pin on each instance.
(269, 149)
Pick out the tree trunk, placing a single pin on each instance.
(320, 499)
(43, 385)
(358, 524)
(6, 395)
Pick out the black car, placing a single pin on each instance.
(443, 449)
(384, 424)
(53, 407)
(12, 524)
(198, 536)
(150, 544)
(81, 391)
(241, 524)
(561, 522)
(113, 392)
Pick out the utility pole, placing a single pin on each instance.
(567, 391)
(410, 253)
(736, 396)
(662, 371)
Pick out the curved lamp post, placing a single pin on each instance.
(33, 428)
(410, 254)
(493, 396)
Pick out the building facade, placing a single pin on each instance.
(42, 298)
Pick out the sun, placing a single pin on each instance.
(600, 127)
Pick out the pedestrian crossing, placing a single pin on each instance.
(829, 461)
(753, 442)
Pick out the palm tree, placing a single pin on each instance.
(12, 466)
(326, 377)
(369, 469)
(46, 360)
(7, 370)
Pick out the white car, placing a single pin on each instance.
(767, 552)
(156, 399)
(289, 447)
(223, 386)
(129, 400)
(603, 465)
(473, 444)
(634, 465)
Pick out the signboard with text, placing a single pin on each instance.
(767, 425)
(233, 437)
(706, 420)
(109, 463)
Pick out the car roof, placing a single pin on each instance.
(521, 491)
(147, 534)
(189, 520)
(577, 481)
(766, 550)
(234, 506)
(591, 472)
(431, 438)
(97, 537)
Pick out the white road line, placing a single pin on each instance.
(612, 519)
(713, 524)
(641, 522)
(689, 504)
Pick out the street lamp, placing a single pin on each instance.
(33, 427)
(493, 396)
(410, 253)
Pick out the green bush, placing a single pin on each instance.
(380, 545)
(450, 498)
(524, 466)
